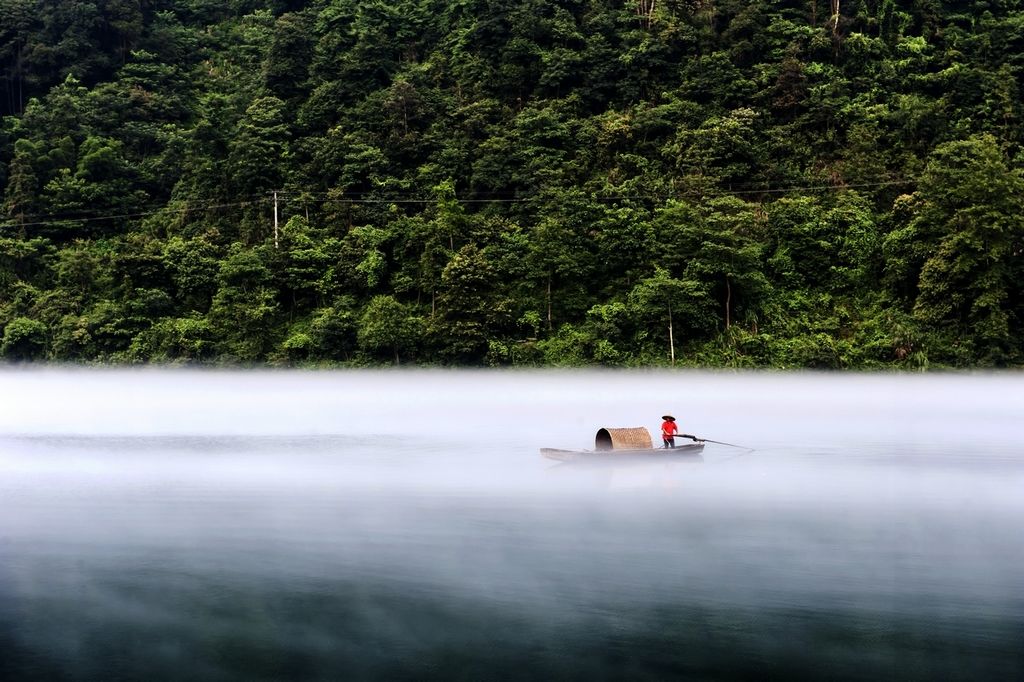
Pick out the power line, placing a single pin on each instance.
(363, 199)
(754, 188)
(61, 219)
(818, 188)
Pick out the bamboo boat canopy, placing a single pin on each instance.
(632, 438)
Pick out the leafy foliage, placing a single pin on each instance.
(513, 182)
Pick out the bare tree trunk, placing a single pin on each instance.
(645, 10)
(671, 339)
(549, 301)
(835, 17)
(728, 300)
(275, 220)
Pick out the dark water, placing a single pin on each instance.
(229, 526)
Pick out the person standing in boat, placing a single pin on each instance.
(668, 431)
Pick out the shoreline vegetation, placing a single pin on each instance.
(691, 183)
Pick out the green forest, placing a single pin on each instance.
(699, 183)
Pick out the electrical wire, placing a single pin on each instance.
(362, 199)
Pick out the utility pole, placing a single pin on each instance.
(274, 219)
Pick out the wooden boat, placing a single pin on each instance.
(626, 445)
(680, 452)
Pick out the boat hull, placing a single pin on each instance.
(679, 453)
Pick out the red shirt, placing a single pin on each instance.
(668, 429)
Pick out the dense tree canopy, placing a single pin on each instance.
(513, 182)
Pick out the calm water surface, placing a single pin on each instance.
(402, 525)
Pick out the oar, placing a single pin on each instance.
(708, 440)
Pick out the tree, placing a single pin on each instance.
(244, 309)
(20, 196)
(333, 330)
(257, 151)
(170, 339)
(717, 246)
(16, 23)
(721, 152)
(562, 254)
(193, 265)
(389, 326)
(306, 264)
(24, 339)
(286, 67)
(470, 310)
(24, 260)
(664, 297)
(965, 225)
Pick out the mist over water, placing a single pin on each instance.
(402, 525)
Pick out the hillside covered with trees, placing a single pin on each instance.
(513, 182)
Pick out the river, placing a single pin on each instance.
(230, 525)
